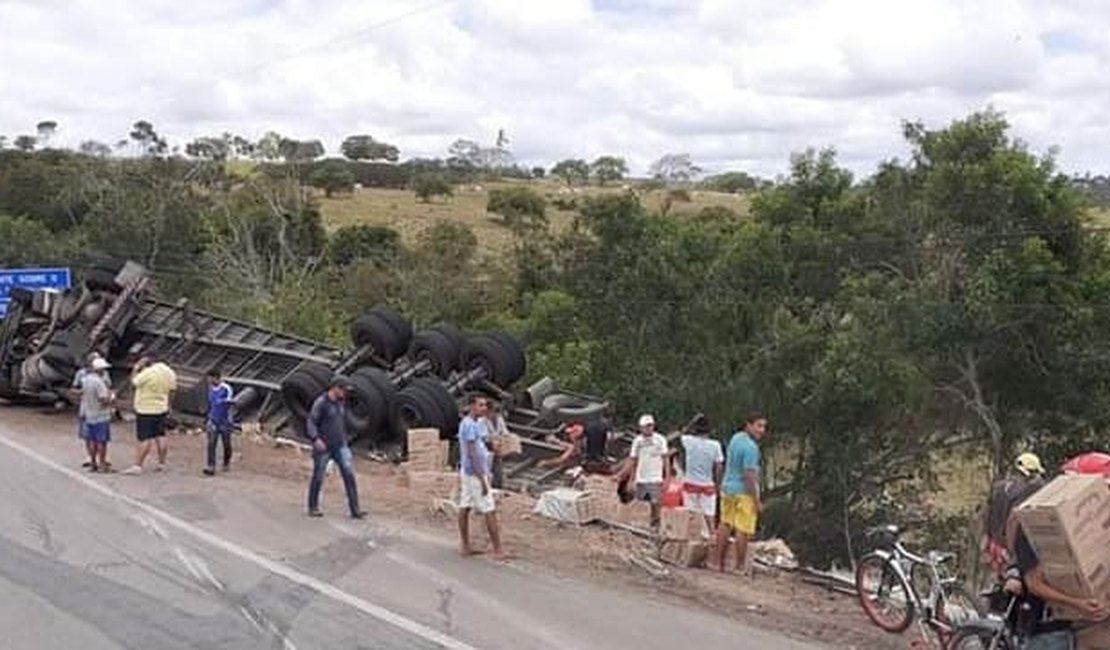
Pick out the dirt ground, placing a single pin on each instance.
(774, 600)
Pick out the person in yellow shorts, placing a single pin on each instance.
(740, 499)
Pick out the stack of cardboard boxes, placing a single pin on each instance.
(684, 538)
(1068, 524)
(426, 472)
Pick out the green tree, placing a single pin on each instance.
(46, 130)
(365, 147)
(333, 176)
(731, 182)
(607, 169)
(149, 141)
(26, 242)
(572, 171)
(427, 186)
(214, 148)
(25, 142)
(300, 151)
(95, 148)
(521, 208)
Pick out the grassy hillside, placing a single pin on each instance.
(400, 209)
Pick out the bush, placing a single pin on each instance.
(519, 207)
(679, 195)
(333, 176)
(566, 205)
(377, 244)
(431, 185)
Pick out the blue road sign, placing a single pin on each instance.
(30, 279)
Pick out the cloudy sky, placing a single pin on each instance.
(736, 83)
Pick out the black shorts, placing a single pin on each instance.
(149, 427)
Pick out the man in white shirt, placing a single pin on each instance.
(648, 465)
(704, 463)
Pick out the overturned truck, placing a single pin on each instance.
(402, 377)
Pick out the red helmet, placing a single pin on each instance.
(1093, 462)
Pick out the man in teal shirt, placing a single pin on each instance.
(740, 498)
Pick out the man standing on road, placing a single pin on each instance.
(96, 405)
(326, 427)
(218, 424)
(475, 491)
(740, 498)
(648, 465)
(78, 380)
(154, 384)
(704, 462)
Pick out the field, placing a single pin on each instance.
(400, 209)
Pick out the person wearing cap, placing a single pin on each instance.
(741, 501)
(78, 380)
(1006, 494)
(96, 407)
(154, 383)
(647, 464)
(326, 427)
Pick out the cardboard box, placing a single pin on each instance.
(682, 524)
(432, 484)
(427, 453)
(637, 513)
(688, 554)
(566, 504)
(506, 445)
(1068, 524)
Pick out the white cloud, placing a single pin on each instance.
(733, 83)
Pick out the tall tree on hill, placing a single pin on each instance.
(95, 148)
(365, 147)
(148, 140)
(675, 168)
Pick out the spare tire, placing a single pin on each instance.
(301, 388)
(369, 405)
(438, 350)
(487, 353)
(563, 408)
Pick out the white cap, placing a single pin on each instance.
(100, 364)
(647, 419)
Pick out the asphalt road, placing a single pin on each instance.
(163, 562)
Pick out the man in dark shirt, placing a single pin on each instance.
(326, 427)
(1039, 595)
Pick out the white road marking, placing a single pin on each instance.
(323, 588)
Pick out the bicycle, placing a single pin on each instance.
(1008, 626)
(885, 584)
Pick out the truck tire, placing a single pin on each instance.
(369, 405)
(102, 277)
(453, 334)
(402, 327)
(486, 352)
(515, 349)
(301, 388)
(438, 349)
(373, 330)
(425, 402)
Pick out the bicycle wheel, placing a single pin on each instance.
(883, 593)
(975, 639)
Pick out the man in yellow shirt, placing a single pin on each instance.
(154, 383)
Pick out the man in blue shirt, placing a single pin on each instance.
(218, 424)
(326, 427)
(475, 491)
(740, 498)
